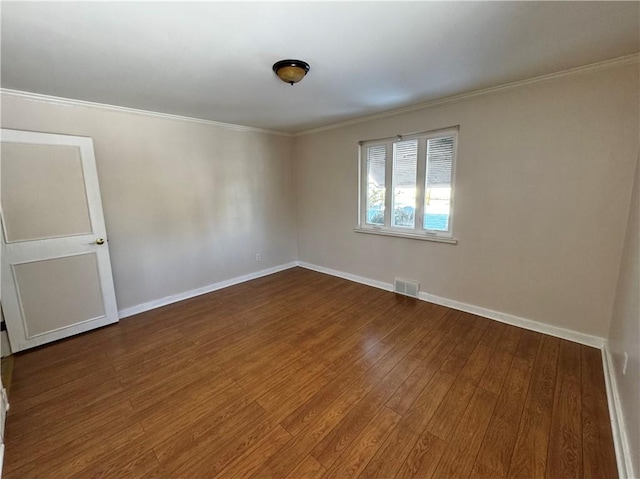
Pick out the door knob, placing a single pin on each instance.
(99, 241)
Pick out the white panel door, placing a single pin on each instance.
(56, 273)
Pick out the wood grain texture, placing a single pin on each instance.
(303, 375)
(565, 451)
(355, 458)
(308, 468)
(424, 457)
(502, 432)
(462, 450)
(391, 454)
(530, 453)
(597, 444)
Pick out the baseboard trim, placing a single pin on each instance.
(625, 468)
(349, 276)
(529, 324)
(618, 429)
(570, 335)
(620, 440)
(174, 298)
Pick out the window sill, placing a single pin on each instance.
(402, 234)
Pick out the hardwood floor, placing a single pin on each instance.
(303, 375)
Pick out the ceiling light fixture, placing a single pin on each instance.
(291, 71)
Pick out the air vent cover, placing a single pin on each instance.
(406, 287)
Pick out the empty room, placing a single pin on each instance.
(320, 240)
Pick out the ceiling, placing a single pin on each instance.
(212, 60)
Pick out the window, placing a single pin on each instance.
(406, 185)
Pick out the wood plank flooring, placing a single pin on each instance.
(303, 375)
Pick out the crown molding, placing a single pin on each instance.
(594, 67)
(54, 100)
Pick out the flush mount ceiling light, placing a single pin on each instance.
(291, 71)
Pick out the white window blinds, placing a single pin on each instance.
(376, 164)
(405, 168)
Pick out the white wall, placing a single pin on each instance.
(543, 183)
(624, 334)
(186, 204)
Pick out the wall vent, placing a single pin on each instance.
(406, 287)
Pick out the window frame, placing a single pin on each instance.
(417, 232)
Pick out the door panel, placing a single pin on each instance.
(48, 292)
(43, 192)
(55, 272)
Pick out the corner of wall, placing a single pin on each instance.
(296, 191)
